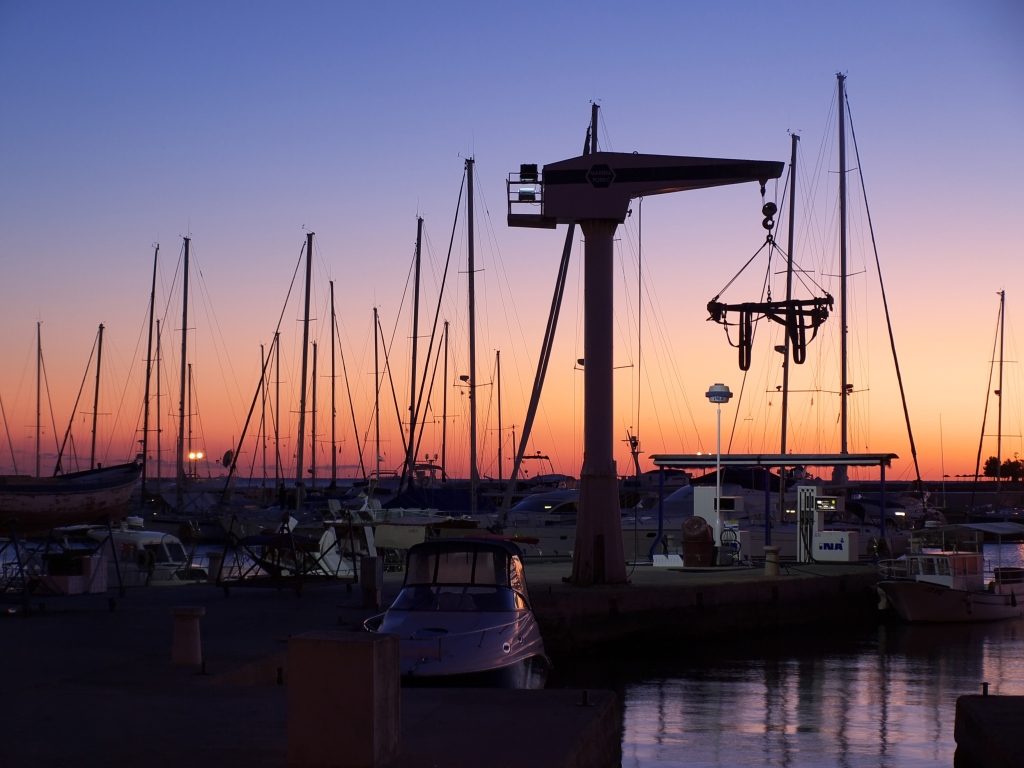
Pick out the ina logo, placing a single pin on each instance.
(832, 547)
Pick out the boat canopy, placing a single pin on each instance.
(475, 562)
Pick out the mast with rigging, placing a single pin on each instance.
(305, 362)
(844, 393)
(149, 370)
(334, 407)
(376, 392)
(790, 319)
(473, 477)
(312, 436)
(444, 407)
(96, 399)
(181, 402)
(159, 447)
(39, 399)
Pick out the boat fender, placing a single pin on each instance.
(1013, 599)
(144, 559)
(883, 600)
(970, 604)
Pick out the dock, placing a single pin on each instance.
(679, 603)
(88, 679)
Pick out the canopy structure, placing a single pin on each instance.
(772, 460)
(994, 529)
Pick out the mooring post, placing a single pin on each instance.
(767, 505)
(117, 564)
(881, 500)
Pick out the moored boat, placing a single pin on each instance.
(943, 577)
(464, 618)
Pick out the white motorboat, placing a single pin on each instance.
(464, 617)
(943, 577)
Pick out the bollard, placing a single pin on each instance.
(771, 561)
(343, 700)
(187, 650)
(216, 563)
(371, 576)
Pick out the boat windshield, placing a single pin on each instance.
(456, 598)
(462, 567)
(176, 551)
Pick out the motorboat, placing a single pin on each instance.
(943, 577)
(463, 617)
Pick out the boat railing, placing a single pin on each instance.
(894, 569)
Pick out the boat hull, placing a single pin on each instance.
(529, 673)
(920, 601)
(36, 505)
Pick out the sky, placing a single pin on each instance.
(244, 125)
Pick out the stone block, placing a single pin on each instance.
(344, 700)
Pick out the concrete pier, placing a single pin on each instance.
(87, 686)
(681, 603)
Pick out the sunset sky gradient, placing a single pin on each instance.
(126, 124)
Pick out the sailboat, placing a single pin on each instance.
(31, 506)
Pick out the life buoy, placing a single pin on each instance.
(144, 559)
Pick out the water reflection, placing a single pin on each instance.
(884, 697)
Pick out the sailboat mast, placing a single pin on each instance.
(263, 415)
(184, 371)
(844, 393)
(278, 475)
(473, 479)
(96, 399)
(789, 291)
(39, 398)
(410, 458)
(334, 407)
(312, 435)
(305, 362)
(191, 453)
(497, 359)
(149, 371)
(159, 454)
(999, 393)
(444, 407)
(376, 390)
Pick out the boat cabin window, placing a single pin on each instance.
(928, 566)
(176, 551)
(943, 564)
(471, 579)
(466, 566)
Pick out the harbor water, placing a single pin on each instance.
(879, 696)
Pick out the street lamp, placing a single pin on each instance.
(193, 457)
(718, 394)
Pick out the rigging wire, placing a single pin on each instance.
(74, 409)
(885, 303)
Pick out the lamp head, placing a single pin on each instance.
(718, 393)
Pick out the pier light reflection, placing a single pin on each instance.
(883, 697)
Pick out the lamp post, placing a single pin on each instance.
(718, 394)
(193, 457)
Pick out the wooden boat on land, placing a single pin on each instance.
(35, 505)
(942, 578)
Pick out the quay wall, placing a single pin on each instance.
(575, 618)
